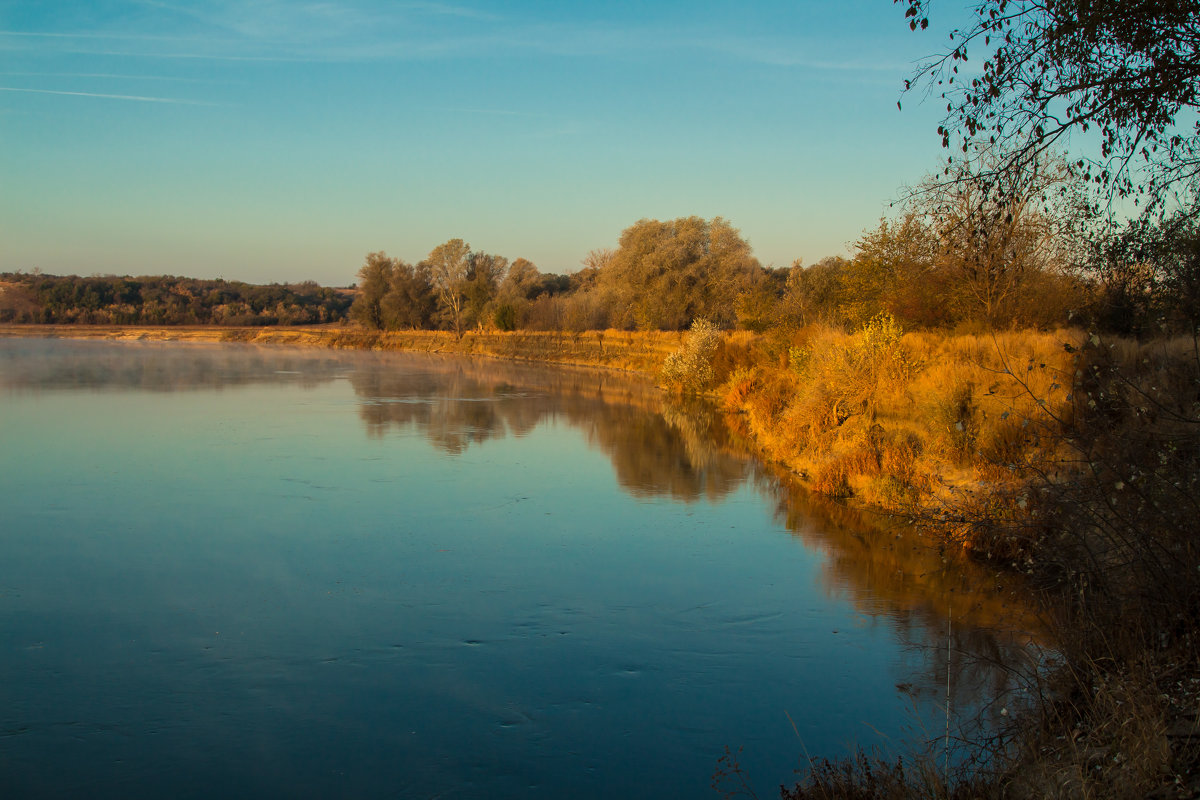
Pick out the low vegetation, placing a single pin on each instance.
(689, 370)
(897, 420)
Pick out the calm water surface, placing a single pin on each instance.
(242, 572)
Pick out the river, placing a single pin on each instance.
(247, 571)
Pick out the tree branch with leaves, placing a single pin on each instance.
(1122, 74)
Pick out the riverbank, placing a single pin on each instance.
(929, 424)
(1070, 460)
(1067, 458)
(899, 440)
(628, 351)
(916, 424)
(909, 423)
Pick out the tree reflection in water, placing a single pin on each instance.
(997, 640)
(682, 449)
(658, 447)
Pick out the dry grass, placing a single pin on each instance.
(903, 421)
(1115, 742)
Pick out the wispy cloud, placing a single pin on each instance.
(90, 35)
(367, 30)
(451, 10)
(795, 54)
(197, 56)
(284, 22)
(133, 97)
(499, 112)
(110, 76)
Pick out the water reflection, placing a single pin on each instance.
(658, 448)
(40, 364)
(666, 447)
(976, 632)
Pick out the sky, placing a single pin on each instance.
(282, 140)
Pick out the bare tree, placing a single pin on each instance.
(448, 264)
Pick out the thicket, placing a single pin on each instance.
(953, 258)
(164, 300)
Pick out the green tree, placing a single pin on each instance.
(521, 281)
(484, 274)
(597, 298)
(896, 271)
(758, 305)
(814, 294)
(521, 286)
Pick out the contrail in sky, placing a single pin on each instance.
(134, 97)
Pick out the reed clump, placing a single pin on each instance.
(901, 420)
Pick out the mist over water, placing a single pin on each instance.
(251, 571)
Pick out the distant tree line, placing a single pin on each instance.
(165, 300)
(455, 289)
(662, 277)
(953, 258)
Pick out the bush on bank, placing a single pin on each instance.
(1069, 457)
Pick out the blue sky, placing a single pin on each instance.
(281, 140)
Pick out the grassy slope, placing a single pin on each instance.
(909, 423)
